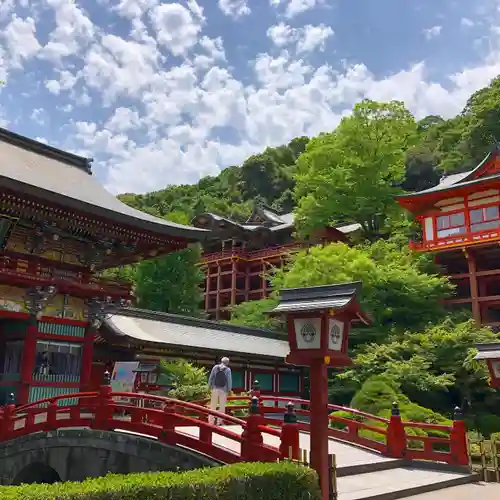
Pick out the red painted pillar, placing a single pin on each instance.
(87, 354)
(251, 438)
(458, 436)
(396, 434)
(290, 436)
(28, 361)
(319, 424)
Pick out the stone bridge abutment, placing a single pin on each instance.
(77, 454)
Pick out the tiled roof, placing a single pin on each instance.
(317, 297)
(461, 179)
(173, 330)
(33, 168)
(488, 351)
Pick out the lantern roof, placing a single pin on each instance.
(316, 298)
(488, 351)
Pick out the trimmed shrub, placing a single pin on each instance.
(251, 481)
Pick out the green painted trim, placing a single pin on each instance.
(61, 329)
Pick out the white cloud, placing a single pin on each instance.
(132, 9)
(20, 40)
(38, 116)
(433, 32)
(282, 34)
(465, 21)
(73, 31)
(307, 38)
(176, 28)
(296, 7)
(314, 37)
(66, 81)
(234, 8)
(123, 119)
(119, 67)
(214, 51)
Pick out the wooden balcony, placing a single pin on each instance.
(459, 240)
(29, 272)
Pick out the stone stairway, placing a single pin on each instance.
(397, 479)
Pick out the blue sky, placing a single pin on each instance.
(163, 93)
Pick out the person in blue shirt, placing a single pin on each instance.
(220, 383)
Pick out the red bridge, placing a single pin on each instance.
(259, 433)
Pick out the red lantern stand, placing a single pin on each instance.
(318, 323)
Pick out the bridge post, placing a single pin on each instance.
(104, 409)
(7, 423)
(458, 439)
(289, 446)
(169, 422)
(251, 438)
(396, 435)
(52, 416)
(255, 393)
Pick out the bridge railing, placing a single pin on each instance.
(391, 437)
(171, 421)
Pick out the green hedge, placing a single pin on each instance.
(251, 481)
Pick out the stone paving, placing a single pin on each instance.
(480, 491)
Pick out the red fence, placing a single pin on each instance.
(391, 437)
(257, 429)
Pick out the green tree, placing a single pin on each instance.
(351, 173)
(171, 283)
(186, 381)
(433, 366)
(253, 313)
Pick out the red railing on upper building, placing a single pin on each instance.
(251, 255)
(456, 240)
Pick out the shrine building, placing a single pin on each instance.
(238, 257)
(460, 220)
(58, 229)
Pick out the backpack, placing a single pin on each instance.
(220, 380)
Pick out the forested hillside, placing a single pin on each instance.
(439, 146)
(419, 353)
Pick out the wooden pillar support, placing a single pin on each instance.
(28, 361)
(207, 288)
(474, 293)
(87, 354)
(234, 271)
(217, 297)
(263, 282)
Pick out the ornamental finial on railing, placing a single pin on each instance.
(36, 299)
(106, 378)
(458, 414)
(290, 415)
(254, 406)
(97, 309)
(395, 409)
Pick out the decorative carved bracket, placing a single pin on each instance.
(36, 299)
(98, 309)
